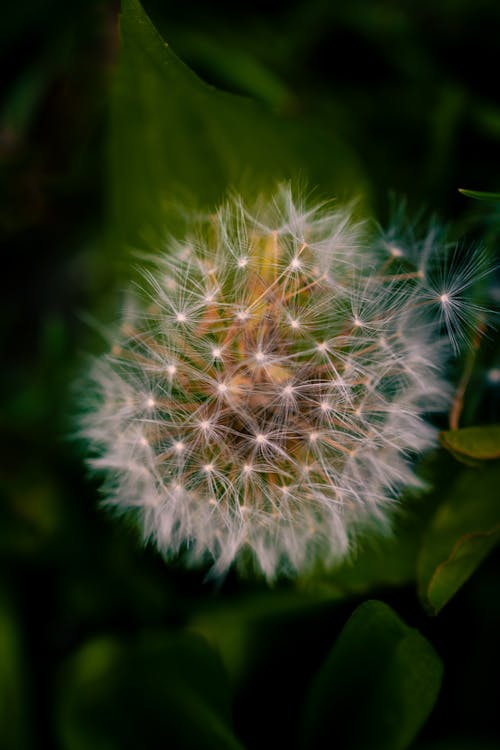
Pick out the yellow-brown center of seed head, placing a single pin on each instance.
(247, 384)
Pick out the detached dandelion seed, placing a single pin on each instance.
(272, 398)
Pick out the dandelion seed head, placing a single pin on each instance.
(267, 390)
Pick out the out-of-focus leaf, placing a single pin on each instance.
(14, 722)
(175, 140)
(236, 629)
(376, 687)
(240, 71)
(480, 195)
(158, 691)
(458, 744)
(473, 442)
(463, 531)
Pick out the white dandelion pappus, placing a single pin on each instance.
(267, 389)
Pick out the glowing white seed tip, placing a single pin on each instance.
(150, 403)
(242, 262)
(216, 352)
(325, 406)
(247, 468)
(143, 441)
(242, 315)
(494, 375)
(444, 299)
(260, 356)
(322, 346)
(179, 446)
(180, 317)
(295, 263)
(395, 251)
(288, 390)
(294, 323)
(171, 369)
(260, 438)
(208, 468)
(313, 437)
(357, 322)
(222, 388)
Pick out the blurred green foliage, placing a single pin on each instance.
(102, 645)
(376, 687)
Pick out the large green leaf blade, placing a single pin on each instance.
(377, 686)
(174, 139)
(161, 690)
(461, 534)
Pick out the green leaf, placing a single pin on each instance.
(463, 531)
(238, 628)
(459, 744)
(376, 687)
(14, 720)
(473, 442)
(176, 140)
(155, 691)
(479, 195)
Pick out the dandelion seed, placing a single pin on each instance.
(311, 375)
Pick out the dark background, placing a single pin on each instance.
(412, 88)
